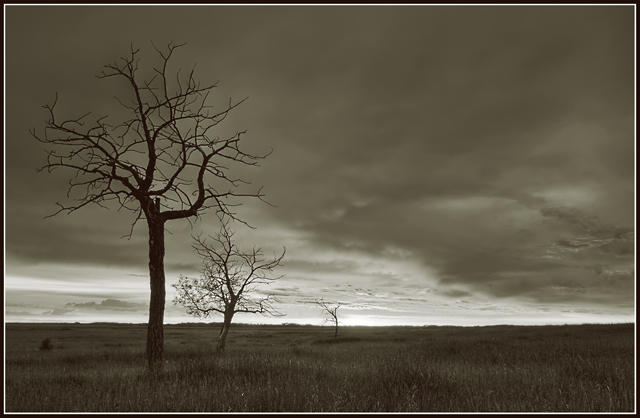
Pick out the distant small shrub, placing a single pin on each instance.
(46, 344)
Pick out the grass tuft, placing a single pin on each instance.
(46, 345)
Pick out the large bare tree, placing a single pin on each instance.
(163, 162)
(229, 281)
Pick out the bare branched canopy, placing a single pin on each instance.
(330, 310)
(166, 149)
(231, 280)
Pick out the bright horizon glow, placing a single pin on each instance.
(363, 320)
(371, 311)
(364, 324)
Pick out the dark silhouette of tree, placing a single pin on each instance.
(160, 163)
(330, 310)
(229, 280)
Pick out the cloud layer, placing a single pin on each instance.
(429, 162)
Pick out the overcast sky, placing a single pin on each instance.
(431, 165)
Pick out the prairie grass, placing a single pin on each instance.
(102, 368)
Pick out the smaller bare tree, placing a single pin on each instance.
(330, 310)
(228, 277)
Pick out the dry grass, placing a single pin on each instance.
(101, 368)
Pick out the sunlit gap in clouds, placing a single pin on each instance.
(378, 283)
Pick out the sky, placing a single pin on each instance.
(431, 165)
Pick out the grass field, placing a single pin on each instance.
(268, 368)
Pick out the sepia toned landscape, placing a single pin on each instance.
(297, 368)
(310, 208)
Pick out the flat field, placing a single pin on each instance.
(270, 368)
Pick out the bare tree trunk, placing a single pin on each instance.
(336, 334)
(155, 331)
(222, 340)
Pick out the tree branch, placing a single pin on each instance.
(230, 278)
(165, 149)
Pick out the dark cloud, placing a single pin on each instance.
(55, 312)
(20, 313)
(107, 304)
(573, 216)
(594, 240)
